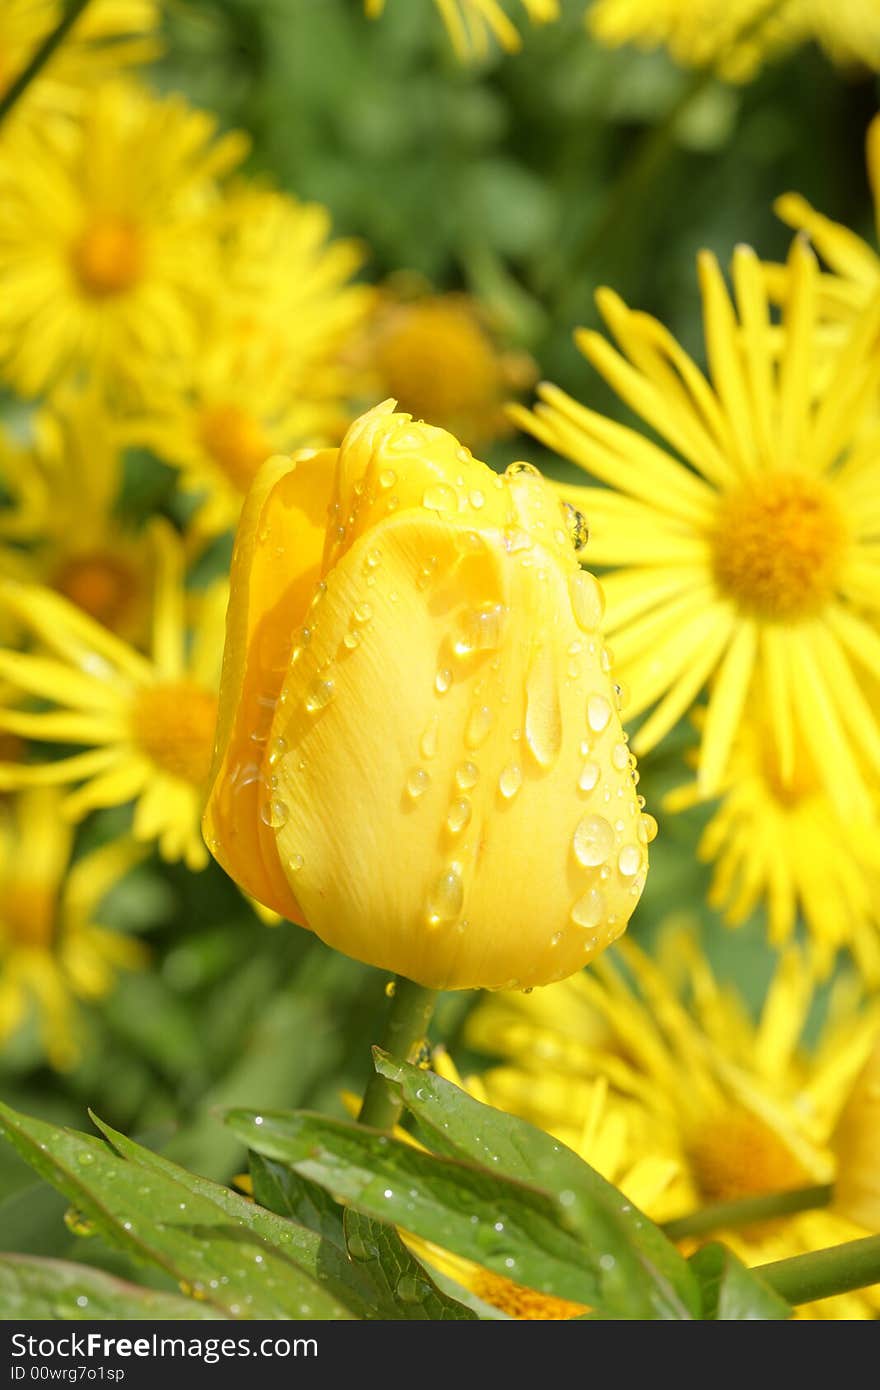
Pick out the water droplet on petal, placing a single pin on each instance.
(589, 777)
(629, 861)
(647, 827)
(362, 613)
(543, 722)
(320, 693)
(466, 775)
(478, 726)
(442, 680)
(417, 783)
(620, 756)
(589, 910)
(387, 478)
(459, 815)
(274, 814)
(593, 841)
(587, 600)
(428, 742)
(480, 628)
(446, 898)
(351, 639)
(477, 499)
(516, 470)
(510, 781)
(277, 749)
(440, 498)
(598, 712)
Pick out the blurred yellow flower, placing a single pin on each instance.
(53, 949)
(748, 545)
(856, 1145)
(737, 1108)
(147, 722)
(437, 357)
(845, 293)
(107, 240)
(60, 526)
(269, 373)
(736, 36)
(785, 845)
(415, 688)
(473, 25)
(107, 35)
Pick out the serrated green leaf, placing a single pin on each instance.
(240, 1259)
(516, 1229)
(452, 1122)
(731, 1292)
(54, 1290)
(402, 1284)
(281, 1190)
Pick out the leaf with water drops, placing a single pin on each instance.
(58, 1291)
(618, 1240)
(279, 1189)
(518, 1230)
(223, 1250)
(405, 1289)
(733, 1293)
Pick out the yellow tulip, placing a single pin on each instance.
(856, 1143)
(419, 752)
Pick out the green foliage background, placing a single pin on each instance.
(514, 180)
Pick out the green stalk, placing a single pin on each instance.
(747, 1210)
(824, 1273)
(405, 1029)
(40, 57)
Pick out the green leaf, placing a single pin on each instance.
(281, 1190)
(731, 1292)
(241, 1260)
(54, 1290)
(452, 1122)
(516, 1229)
(401, 1282)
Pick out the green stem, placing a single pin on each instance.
(40, 57)
(824, 1273)
(405, 1029)
(722, 1215)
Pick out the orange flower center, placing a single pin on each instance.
(109, 257)
(236, 441)
(777, 546)
(174, 725)
(521, 1302)
(102, 585)
(737, 1154)
(27, 917)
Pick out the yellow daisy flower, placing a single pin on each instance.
(107, 239)
(59, 526)
(53, 949)
(736, 36)
(473, 25)
(784, 845)
(269, 374)
(107, 35)
(855, 265)
(737, 1107)
(749, 544)
(147, 722)
(435, 355)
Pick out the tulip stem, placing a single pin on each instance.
(405, 1029)
(824, 1273)
(747, 1210)
(40, 57)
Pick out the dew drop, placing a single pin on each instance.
(621, 695)
(443, 680)
(480, 628)
(295, 863)
(320, 694)
(629, 860)
(587, 600)
(589, 777)
(588, 910)
(459, 815)
(428, 741)
(274, 813)
(516, 470)
(388, 478)
(556, 938)
(510, 781)
(466, 775)
(446, 898)
(543, 722)
(477, 499)
(647, 830)
(440, 498)
(593, 841)
(620, 756)
(598, 713)
(362, 614)
(351, 639)
(417, 782)
(391, 989)
(478, 726)
(373, 559)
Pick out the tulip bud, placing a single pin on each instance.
(419, 751)
(856, 1145)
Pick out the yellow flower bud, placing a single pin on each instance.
(856, 1145)
(419, 752)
